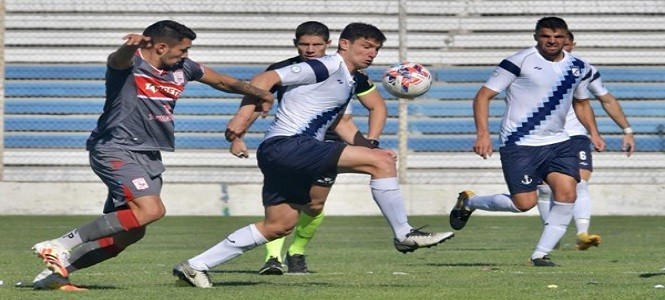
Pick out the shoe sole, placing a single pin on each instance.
(408, 249)
(271, 271)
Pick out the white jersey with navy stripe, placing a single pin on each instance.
(318, 91)
(539, 94)
(597, 88)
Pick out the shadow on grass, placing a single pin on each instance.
(466, 265)
(653, 274)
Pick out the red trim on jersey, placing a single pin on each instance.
(127, 219)
(128, 193)
(153, 88)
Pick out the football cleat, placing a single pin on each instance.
(192, 276)
(460, 213)
(55, 255)
(419, 239)
(543, 262)
(272, 267)
(296, 263)
(585, 241)
(47, 280)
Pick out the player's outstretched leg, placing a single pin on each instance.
(460, 213)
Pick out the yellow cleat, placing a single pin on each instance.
(585, 241)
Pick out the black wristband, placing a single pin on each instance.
(360, 140)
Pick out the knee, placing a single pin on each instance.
(384, 165)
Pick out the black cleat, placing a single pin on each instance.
(460, 214)
(296, 263)
(272, 267)
(543, 262)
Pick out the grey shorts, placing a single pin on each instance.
(127, 174)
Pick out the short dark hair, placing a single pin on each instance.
(169, 31)
(552, 23)
(312, 28)
(571, 36)
(355, 31)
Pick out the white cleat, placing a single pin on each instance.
(419, 239)
(55, 255)
(47, 280)
(192, 276)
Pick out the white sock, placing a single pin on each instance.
(70, 239)
(560, 215)
(496, 202)
(387, 196)
(544, 199)
(233, 245)
(582, 210)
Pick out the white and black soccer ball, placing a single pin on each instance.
(407, 80)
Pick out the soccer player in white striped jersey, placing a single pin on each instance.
(541, 83)
(294, 153)
(578, 133)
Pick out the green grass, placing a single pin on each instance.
(353, 258)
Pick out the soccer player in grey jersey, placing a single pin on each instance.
(145, 77)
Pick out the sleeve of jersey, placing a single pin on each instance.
(582, 89)
(596, 85)
(308, 72)
(349, 109)
(364, 85)
(193, 70)
(502, 76)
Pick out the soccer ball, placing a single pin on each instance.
(407, 80)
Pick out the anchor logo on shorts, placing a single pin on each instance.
(527, 180)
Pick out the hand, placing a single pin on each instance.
(483, 147)
(628, 144)
(598, 143)
(138, 40)
(236, 127)
(239, 148)
(267, 102)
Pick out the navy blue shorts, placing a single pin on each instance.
(583, 147)
(127, 174)
(525, 167)
(291, 165)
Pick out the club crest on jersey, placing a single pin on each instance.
(140, 183)
(295, 69)
(576, 71)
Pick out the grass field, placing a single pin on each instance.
(353, 258)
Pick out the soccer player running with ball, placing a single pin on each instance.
(311, 41)
(541, 84)
(144, 78)
(294, 153)
(578, 134)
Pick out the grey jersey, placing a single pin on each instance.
(138, 112)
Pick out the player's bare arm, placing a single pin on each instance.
(481, 104)
(378, 113)
(231, 84)
(585, 114)
(245, 115)
(122, 57)
(613, 109)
